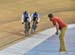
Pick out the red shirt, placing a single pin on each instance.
(60, 22)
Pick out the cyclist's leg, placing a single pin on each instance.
(36, 25)
(29, 25)
(28, 28)
(25, 27)
(33, 26)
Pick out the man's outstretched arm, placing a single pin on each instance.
(57, 27)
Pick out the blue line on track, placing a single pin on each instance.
(51, 45)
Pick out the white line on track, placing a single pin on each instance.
(27, 44)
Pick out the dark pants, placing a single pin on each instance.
(27, 27)
(34, 25)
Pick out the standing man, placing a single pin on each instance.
(26, 19)
(35, 19)
(62, 26)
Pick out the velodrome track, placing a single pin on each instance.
(43, 43)
(11, 27)
(10, 24)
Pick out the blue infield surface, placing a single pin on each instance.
(51, 45)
